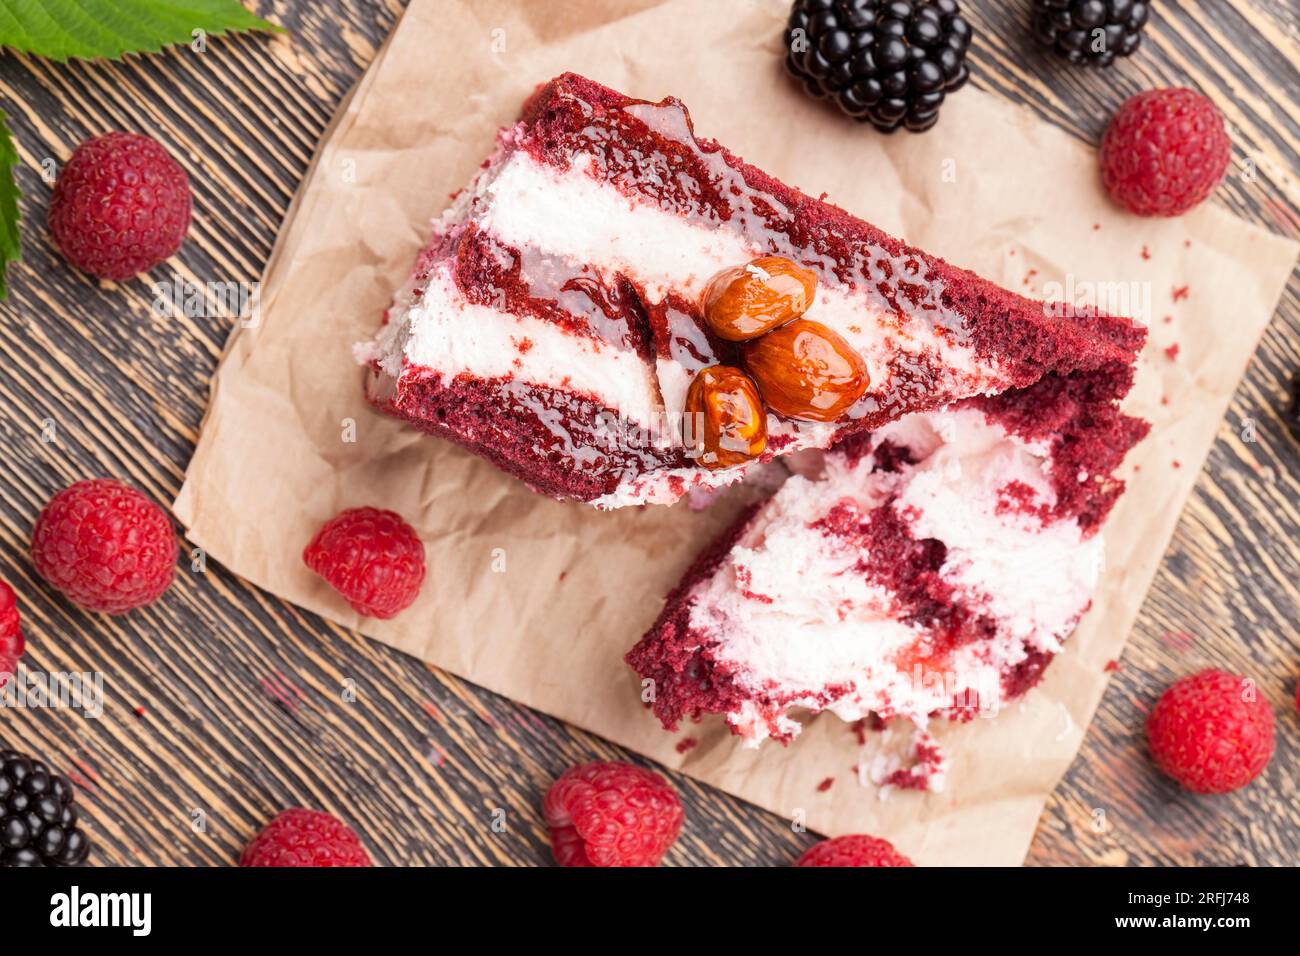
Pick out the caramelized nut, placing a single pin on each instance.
(804, 370)
(744, 302)
(725, 417)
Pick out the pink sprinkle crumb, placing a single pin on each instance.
(825, 784)
(1180, 293)
(1112, 666)
(1096, 226)
(859, 729)
(1177, 463)
(686, 743)
(140, 711)
(1167, 319)
(1146, 253)
(1164, 399)
(1171, 352)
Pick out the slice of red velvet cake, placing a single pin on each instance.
(931, 566)
(555, 323)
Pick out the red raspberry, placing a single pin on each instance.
(611, 814)
(1164, 152)
(105, 546)
(371, 557)
(305, 838)
(120, 206)
(1206, 734)
(853, 850)
(11, 634)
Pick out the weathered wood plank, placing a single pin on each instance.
(225, 701)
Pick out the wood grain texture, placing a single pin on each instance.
(224, 704)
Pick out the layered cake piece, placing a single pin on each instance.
(616, 311)
(932, 566)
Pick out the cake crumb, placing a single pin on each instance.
(825, 784)
(1112, 666)
(1177, 463)
(686, 743)
(1180, 293)
(1146, 253)
(1171, 352)
(1167, 319)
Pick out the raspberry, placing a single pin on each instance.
(11, 634)
(1209, 735)
(853, 850)
(120, 206)
(1164, 152)
(299, 837)
(371, 557)
(611, 814)
(105, 546)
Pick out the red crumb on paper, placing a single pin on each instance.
(1146, 253)
(687, 743)
(1167, 319)
(859, 729)
(1112, 666)
(1164, 399)
(1096, 226)
(1180, 293)
(1177, 463)
(825, 784)
(1029, 276)
(140, 711)
(432, 710)
(563, 575)
(1171, 352)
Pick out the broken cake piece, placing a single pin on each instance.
(932, 566)
(555, 323)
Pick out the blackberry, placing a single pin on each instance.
(1091, 32)
(889, 63)
(38, 824)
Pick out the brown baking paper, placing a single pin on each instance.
(538, 599)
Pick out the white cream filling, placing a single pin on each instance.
(827, 625)
(570, 213)
(445, 333)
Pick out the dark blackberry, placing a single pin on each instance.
(884, 62)
(1091, 32)
(38, 824)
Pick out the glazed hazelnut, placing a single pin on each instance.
(744, 302)
(805, 370)
(726, 419)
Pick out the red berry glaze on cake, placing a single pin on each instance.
(931, 566)
(554, 323)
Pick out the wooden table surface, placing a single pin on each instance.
(222, 703)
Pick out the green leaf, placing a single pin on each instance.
(97, 29)
(10, 247)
